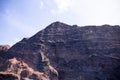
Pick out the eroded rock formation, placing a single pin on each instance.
(66, 52)
(13, 69)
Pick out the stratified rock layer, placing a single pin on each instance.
(77, 53)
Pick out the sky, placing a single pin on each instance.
(24, 18)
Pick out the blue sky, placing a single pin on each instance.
(23, 18)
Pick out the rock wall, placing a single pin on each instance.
(13, 69)
(66, 52)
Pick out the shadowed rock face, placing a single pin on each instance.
(3, 51)
(77, 53)
(6, 76)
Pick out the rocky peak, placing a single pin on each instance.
(57, 28)
(56, 24)
(72, 52)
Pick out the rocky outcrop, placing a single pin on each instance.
(4, 47)
(77, 53)
(13, 69)
(34, 57)
(3, 50)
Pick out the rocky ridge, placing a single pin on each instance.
(65, 52)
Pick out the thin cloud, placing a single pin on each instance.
(61, 6)
(24, 18)
(41, 4)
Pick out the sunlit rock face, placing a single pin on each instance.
(65, 52)
(13, 69)
(4, 47)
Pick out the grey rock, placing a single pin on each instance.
(77, 53)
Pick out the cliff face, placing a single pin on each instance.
(3, 51)
(76, 53)
(13, 69)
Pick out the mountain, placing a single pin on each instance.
(68, 52)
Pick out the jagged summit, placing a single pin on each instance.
(57, 24)
(59, 28)
(60, 25)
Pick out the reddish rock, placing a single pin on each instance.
(13, 69)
